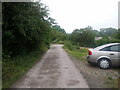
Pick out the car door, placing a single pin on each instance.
(114, 54)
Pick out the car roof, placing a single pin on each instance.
(105, 45)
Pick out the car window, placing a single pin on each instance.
(105, 49)
(114, 48)
(118, 48)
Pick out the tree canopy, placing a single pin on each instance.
(83, 37)
(25, 27)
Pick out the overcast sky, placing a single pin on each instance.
(76, 14)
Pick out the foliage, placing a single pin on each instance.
(59, 29)
(25, 28)
(70, 46)
(57, 34)
(107, 32)
(117, 34)
(79, 55)
(25, 36)
(14, 68)
(106, 41)
(76, 51)
(83, 37)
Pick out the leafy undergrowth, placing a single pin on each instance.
(13, 69)
(75, 50)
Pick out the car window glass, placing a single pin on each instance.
(114, 48)
(106, 49)
(118, 48)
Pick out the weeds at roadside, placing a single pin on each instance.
(111, 82)
(77, 54)
(13, 69)
(76, 51)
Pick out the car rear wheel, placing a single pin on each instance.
(104, 63)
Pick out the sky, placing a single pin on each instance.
(76, 14)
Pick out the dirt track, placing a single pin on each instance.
(55, 70)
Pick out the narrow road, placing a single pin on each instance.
(55, 70)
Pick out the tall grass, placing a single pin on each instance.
(76, 51)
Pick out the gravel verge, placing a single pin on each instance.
(96, 77)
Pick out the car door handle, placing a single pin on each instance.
(111, 54)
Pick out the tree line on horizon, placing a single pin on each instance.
(86, 36)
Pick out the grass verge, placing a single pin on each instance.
(76, 51)
(113, 81)
(78, 54)
(13, 69)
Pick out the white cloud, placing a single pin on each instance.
(72, 14)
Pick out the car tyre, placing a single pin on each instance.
(104, 63)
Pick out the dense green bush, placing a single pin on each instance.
(70, 46)
(106, 41)
(25, 27)
(58, 35)
(25, 36)
(83, 37)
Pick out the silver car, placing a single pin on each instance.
(105, 56)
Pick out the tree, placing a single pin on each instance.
(83, 37)
(117, 34)
(25, 27)
(58, 34)
(107, 32)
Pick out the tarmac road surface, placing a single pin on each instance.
(54, 70)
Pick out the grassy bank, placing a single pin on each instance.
(13, 69)
(76, 51)
(79, 54)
